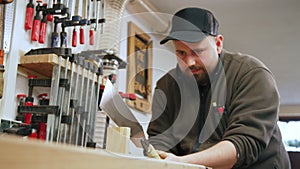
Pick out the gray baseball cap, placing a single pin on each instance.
(192, 25)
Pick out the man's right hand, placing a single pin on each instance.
(168, 156)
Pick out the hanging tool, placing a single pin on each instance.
(43, 29)
(63, 38)
(102, 16)
(21, 99)
(92, 36)
(95, 13)
(50, 17)
(58, 9)
(84, 19)
(69, 23)
(54, 36)
(42, 122)
(74, 37)
(29, 100)
(36, 23)
(94, 21)
(69, 5)
(43, 99)
(75, 18)
(29, 15)
(6, 27)
(47, 13)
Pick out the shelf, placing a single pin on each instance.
(43, 64)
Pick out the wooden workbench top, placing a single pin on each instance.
(20, 153)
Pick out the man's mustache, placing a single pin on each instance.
(192, 68)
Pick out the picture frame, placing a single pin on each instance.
(139, 68)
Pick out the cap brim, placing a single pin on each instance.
(187, 36)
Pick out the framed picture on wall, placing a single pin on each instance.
(139, 69)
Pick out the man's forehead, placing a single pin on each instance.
(191, 44)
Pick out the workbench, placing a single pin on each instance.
(21, 153)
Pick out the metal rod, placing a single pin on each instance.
(68, 101)
(75, 98)
(62, 103)
(80, 103)
(53, 98)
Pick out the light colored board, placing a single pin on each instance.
(32, 154)
(43, 64)
(117, 139)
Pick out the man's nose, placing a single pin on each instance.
(190, 60)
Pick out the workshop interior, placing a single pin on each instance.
(61, 59)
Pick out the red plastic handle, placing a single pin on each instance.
(42, 131)
(35, 30)
(43, 31)
(27, 118)
(50, 18)
(92, 40)
(21, 96)
(29, 18)
(81, 35)
(130, 96)
(42, 95)
(74, 38)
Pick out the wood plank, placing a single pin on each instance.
(117, 139)
(33, 154)
(43, 64)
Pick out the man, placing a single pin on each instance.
(216, 108)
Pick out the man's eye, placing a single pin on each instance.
(180, 53)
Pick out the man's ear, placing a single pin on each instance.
(219, 43)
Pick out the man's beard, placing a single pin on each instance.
(201, 78)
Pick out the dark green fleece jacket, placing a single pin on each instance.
(240, 104)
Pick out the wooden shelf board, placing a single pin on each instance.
(43, 64)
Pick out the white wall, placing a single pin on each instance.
(163, 59)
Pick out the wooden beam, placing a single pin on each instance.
(33, 154)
